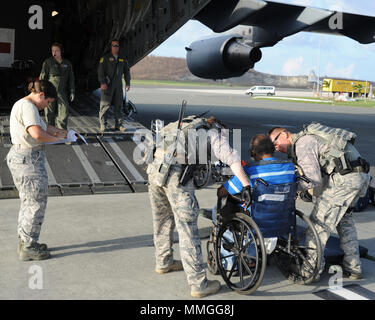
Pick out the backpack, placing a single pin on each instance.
(337, 146)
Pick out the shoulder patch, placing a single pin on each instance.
(101, 60)
(121, 60)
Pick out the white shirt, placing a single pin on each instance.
(23, 115)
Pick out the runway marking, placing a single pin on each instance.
(356, 292)
(293, 99)
(347, 294)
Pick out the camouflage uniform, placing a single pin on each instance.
(62, 77)
(334, 194)
(28, 169)
(110, 72)
(176, 206)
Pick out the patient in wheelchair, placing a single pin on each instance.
(273, 194)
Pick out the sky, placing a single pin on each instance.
(340, 57)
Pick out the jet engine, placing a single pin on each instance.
(221, 57)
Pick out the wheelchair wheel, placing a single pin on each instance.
(211, 258)
(240, 252)
(202, 176)
(128, 109)
(298, 262)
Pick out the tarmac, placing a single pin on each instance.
(102, 248)
(102, 244)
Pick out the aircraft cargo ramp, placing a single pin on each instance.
(105, 165)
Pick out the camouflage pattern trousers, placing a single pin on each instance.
(176, 206)
(331, 212)
(28, 169)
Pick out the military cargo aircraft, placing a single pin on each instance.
(254, 24)
(84, 27)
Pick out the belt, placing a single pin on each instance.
(35, 148)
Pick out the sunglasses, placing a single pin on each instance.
(115, 46)
(277, 137)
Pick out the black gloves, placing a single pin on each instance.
(246, 196)
(305, 196)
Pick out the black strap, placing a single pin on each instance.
(361, 163)
(355, 163)
(372, 195)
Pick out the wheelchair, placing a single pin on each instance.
(236, 248)
(128, 108)
(210, 173)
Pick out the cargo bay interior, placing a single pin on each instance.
(85, 28)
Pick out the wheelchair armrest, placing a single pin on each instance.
(236, 197)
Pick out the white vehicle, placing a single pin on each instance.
(267, 90)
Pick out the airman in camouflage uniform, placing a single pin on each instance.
(27, 163)
(175, 205)
(110, 71)
(335, 194)
(59, 71)
(28, 168)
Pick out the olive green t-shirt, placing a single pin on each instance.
(23, 115)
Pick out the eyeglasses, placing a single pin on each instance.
(115, 46)
(277, 137)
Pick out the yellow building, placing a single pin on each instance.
(350, 86)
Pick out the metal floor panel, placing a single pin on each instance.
(100, 162)
(83, 123)
(78, 168)
(103, 166)
(66, 166)
(121, 150)
(6, 180)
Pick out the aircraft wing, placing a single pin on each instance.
(272, 21)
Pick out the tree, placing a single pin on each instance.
(326, 84)
(358, 87)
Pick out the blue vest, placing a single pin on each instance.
(272, 206)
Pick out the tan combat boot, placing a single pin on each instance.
(42, 246)
(119, 127)
(212, 287)
(32, 251)
(175, 266)
(353, 275)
